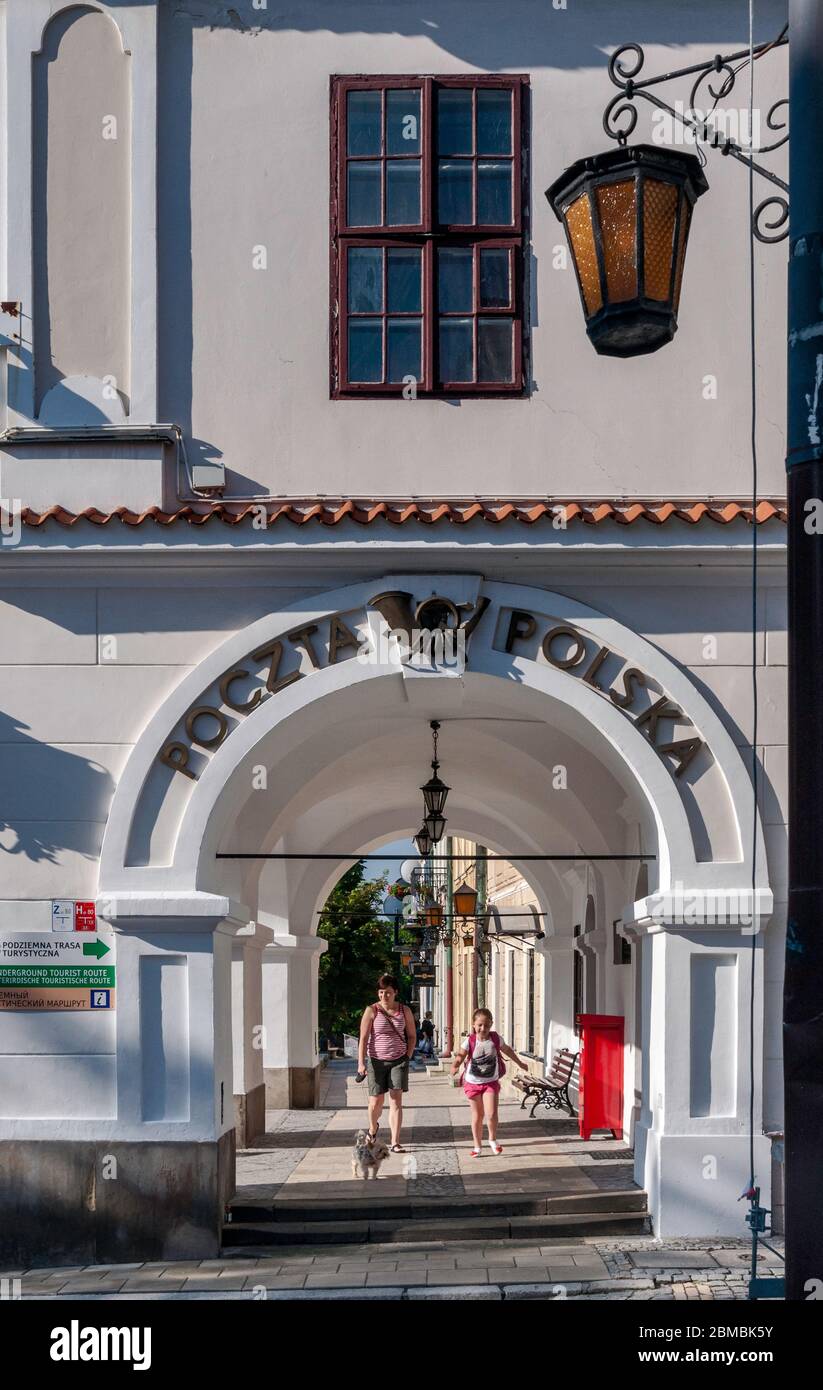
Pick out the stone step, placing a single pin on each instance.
(370, 1208)
(492, 1228)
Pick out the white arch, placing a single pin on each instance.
(571, 705)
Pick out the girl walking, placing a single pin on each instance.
(483, 1052)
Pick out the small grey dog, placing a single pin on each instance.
(367, 1155)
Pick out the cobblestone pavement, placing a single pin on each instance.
(594, 1270)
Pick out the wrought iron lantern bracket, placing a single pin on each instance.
(620, 116)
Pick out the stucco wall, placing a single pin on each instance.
(259, 175)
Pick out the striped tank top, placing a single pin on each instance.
(387, 1040)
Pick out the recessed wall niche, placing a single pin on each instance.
(81, 220)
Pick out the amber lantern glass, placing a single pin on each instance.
(465, 900)
(627, 216)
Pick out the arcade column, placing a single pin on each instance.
(291, 1060)
(248, 1033)
(692, 1136)
(558, 1011)
(132, 1156)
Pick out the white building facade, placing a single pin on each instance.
(246, 439)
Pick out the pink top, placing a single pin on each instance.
(387, 1039)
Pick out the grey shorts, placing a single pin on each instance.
(387, 1076)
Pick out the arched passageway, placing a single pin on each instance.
(563, 733)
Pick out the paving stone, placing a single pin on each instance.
(86, 1284)
(275, 1281)
(679, 1259)
(404, 1279)
(735, 1259)
(457, 1294)
(336, 1295)
(524, 1275)
(334, 1281)
(458, 1276)
(152, 1282)
(546, 1292)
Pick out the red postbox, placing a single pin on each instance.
(600, 1089)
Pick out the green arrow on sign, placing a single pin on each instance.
(95, 948)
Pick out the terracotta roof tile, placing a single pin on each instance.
(429, 511)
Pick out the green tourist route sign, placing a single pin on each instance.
(58, 976)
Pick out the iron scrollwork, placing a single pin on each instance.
(714, 79)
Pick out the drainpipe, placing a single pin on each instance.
(803, 987)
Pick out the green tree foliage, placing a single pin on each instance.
(359, 952)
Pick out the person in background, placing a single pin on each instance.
(388, 1034)
(427, 1035)
(482, 1052)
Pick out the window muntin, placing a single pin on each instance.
(384, 287)
(475, 156)
(432, 168)
(475, 308)
(382, 164)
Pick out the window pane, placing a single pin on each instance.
(402, 192)
(454, 193)
(365, 269)
(404, 282)
(364, 195)
(495, 291)
(403, 349)
(403, 122)
(456, 350)
(454, 121)
(494, 194)
(363, 122)
(494, 350)
(454, 281)
(365, 350)
(494, 121)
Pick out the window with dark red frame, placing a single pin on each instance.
(427, 235)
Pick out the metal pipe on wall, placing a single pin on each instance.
(803, 986)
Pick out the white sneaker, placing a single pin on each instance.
(495, 1147)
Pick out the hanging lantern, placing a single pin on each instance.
(436, 826)
(435, 792)
(627, 215)
(465, 900)
(423, 841)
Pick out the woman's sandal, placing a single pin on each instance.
(373, 1136)
(397, 1149)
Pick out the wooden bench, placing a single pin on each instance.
(552, 1090)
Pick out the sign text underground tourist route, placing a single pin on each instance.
(562, 645)
(56, 973)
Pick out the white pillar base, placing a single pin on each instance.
(694, 1181)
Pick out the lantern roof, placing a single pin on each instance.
(626, 159)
